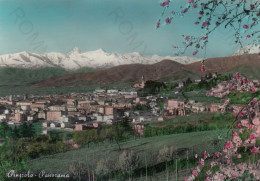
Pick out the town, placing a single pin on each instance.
(81, 111)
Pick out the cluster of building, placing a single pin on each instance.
(182, 107)
(81, 111)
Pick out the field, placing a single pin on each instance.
(198, 95)
(195, 142)
(196, 117)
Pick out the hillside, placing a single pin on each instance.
(130, 73)
(165, 68)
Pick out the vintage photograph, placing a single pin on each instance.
(129, 90)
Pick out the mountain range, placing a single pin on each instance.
(166, 69)
(77, 60)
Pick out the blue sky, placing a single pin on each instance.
(121, 26)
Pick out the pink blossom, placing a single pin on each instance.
(253, 89)
(184, 10)
(167, 20)
(254, 150)
(207, 179)
(194, 172)
(254, 100)
(228, 161)
(176, 54)
(190, 1)
(240, 167)
(231, 88)
(196, 22)
(241, 114)
(234, 134)
(244, 80)
(201, 12)
(158, 24)
(250, 126)
(187, 38)
(239, 156)
(205, 154)
(204, 38)
(221, 177)
(201, 162)
(228, 145)
(194, 5)
(252, 136)
(194, 53)
(165, 3)
(237, 75)
(202, 68)
(217, 154)
(205, 24)
(248, 36)
(233, 176)
(239, 125)
(256, 121)
(245, 26)
(252, 6)
(186, 179)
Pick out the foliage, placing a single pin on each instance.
(214, 169)
(245, 134)
(30, 147)
(242, 97)
(140, 107)
(214, 122)
(116, 132)
(246, 156)
(257, 142)
(24, 130)
(203, 84)
(6, 166)
(60, 135)
(161, 105)
(156, 87)
(85, 137)
(202, 175)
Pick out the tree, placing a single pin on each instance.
(128, 161)
(78, 170)
(5, 130)
(188, 81)
(15, 133)
(241, 17)
(166, 153)
(104, 166)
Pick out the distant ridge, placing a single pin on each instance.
(76, 59)
(133, 72)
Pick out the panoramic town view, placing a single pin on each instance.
(114, 91)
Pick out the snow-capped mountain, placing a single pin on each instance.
(75, 59)
(250, 49)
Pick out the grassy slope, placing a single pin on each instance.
(191, 118)
(149, 146)
(19, 81)
(180, 76)
(249, 72)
